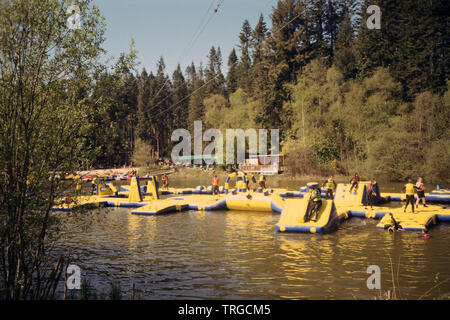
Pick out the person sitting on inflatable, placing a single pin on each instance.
(392, 224)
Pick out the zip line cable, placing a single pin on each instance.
(194, 38)
(214, 78)
(215, 11)
(168, 96)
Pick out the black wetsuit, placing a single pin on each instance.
(316, 203)
(354, 183)
(370, 195)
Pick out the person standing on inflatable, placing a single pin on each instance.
(94, 185)
(215, 183)
(420, 192)
(78, 187)
(371, 193)
(262, 181)
(409, 191)
(354, 182)
(165, 180)
(316, 201)
(330, 185)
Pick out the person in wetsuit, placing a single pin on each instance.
(409, 191)
(316, 203)
(371, 193)
(392, 224)
(354, 182)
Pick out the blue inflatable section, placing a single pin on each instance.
(362, 214)
(126, 204)
(427, 198)
(275, 207)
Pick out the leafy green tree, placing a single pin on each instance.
(46, 74)
(142, 154)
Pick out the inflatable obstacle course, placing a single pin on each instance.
(144, 196)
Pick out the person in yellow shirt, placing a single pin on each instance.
(329, 185)
(409, 191)
(94, 185)
(78, 187)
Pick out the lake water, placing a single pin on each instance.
(238, 255)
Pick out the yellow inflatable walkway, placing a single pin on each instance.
(86, 202)
(242, 202)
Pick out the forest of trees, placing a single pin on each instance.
(345, 98)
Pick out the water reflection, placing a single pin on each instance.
(237, 255)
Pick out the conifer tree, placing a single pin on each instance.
(344, 58)
(179, 92)
(259, 36)
(232, 75)
(245, 60)
(196, 107)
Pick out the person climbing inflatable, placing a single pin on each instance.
(392, 225)
(354, 182)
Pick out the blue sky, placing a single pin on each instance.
(166, 27)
